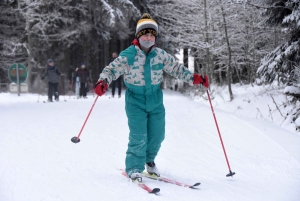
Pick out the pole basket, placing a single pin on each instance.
(230, 174)
(75, 139)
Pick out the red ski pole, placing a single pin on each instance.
(212, 109)
(213, 112)
(76, 139)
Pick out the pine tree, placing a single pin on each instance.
(282, 64)
(12, 27)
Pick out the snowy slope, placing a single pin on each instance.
(38, 162)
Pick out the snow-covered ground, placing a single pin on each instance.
(38, 161)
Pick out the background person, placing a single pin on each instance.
(83, 75)
(52, 73)
(117, 82)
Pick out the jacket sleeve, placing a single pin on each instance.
(88, 76)
(75, 75)
(58, 72)
(175, 69)
(115, 69)
(45, 73)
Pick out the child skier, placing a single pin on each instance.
(142, 65)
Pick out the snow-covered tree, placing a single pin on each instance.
(179, 26)
(226, 37)
(74, 31)
(12, 28)
(227, 43)
(282, 64)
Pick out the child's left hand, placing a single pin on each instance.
(199, 79)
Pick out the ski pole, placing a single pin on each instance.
(76, 139)
(212, 109)
(213, 112)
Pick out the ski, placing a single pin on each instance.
(48, 101)
(171, 181)
(142, 185)
(53, 101)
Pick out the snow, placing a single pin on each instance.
(292, 90)
(38, 161)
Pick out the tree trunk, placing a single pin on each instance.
(185, 61)
(251, 73)
(208, 67)
(186, 57)
(229, 53)
(238, 74)
(29, 59)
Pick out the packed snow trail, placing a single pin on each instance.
(38, 161)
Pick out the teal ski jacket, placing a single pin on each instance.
(143, 73)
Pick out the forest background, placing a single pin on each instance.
(250, 42)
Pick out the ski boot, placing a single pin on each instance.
(152, 169)
(136, 177)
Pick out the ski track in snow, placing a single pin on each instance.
(40, 163)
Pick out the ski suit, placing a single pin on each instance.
(144, 106)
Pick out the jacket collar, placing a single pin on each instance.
(137, 45)
(151, 52)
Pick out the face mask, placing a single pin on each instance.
(146, 43)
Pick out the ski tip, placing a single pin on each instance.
(195, 185)
(155, 190)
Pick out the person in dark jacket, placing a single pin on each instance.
(83, 74)
(117, 82)
(52, 73)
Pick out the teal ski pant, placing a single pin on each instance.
(147, 132)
